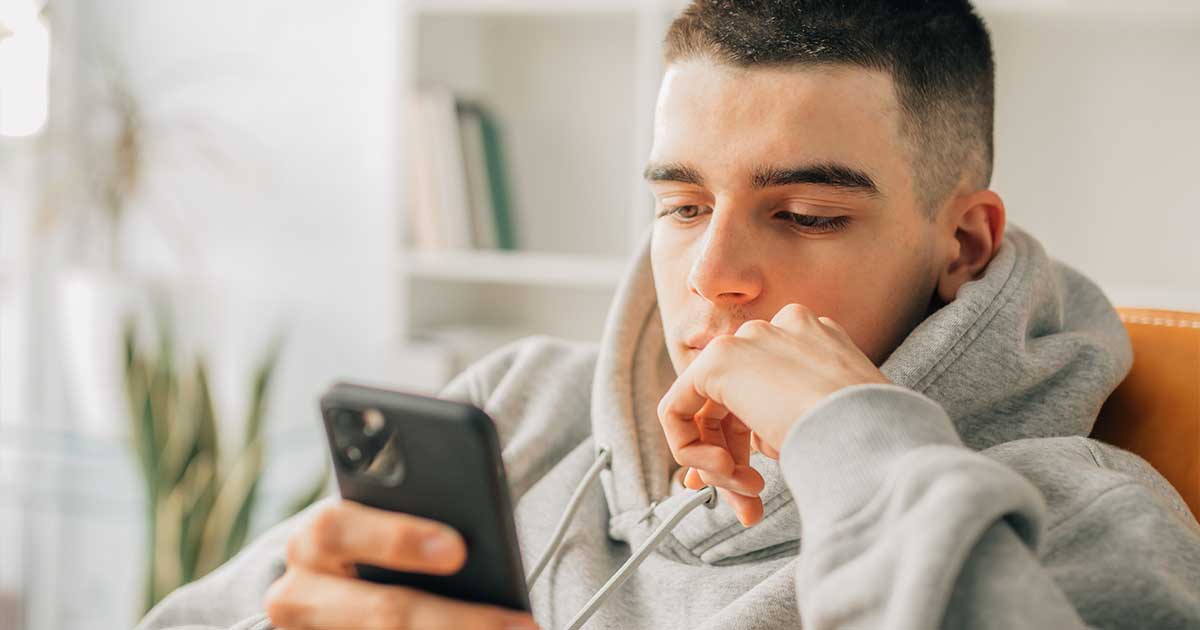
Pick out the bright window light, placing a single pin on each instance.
(24, 68)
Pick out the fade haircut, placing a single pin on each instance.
(937, 52)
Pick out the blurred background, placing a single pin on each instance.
(209, 211)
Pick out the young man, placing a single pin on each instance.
(830, 324)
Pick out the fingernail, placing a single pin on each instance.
(438, 546)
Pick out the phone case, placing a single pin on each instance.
(453, 473)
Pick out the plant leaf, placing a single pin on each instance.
(182, 431)
(199, 488)
(206, 417)
(168, 572)
(258, 397)
(235, 497)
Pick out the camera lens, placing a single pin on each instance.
(367, 444)
(345, 427)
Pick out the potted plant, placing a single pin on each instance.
(200, 495)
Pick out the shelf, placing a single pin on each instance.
(517, 268)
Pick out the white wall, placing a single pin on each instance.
(294, 221)
(1098, 144)
(291, 226)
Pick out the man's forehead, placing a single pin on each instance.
(780, 86)
(744, 118)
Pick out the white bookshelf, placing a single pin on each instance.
(585, 271)
(571, 85)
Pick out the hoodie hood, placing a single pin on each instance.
(1030, 349)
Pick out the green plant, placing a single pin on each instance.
(198, 504)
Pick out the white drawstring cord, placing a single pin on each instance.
(705, 496)
(603, 459)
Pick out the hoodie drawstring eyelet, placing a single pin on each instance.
(706, 496)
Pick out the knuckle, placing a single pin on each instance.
(403, 542)
(831, 323)
(796, 312)
(390, 608)
(753, 327)
(416, 609)
(280, 604)
(724, 343)
(294, 552)
(324, 531)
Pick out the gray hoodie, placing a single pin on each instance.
(964, 496)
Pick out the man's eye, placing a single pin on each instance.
(813, 223)
(684, 212)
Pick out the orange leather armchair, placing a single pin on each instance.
(1155, 412)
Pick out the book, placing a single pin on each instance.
(441, 111)
(459, 196)
(498, 180)
(479, 193)
(422, 190)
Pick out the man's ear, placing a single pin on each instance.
(972, 226)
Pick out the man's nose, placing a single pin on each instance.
(726, 269)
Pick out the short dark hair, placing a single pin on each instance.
(938, 53)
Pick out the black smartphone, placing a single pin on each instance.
(437, 459)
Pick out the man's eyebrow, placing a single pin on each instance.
(829, 174)
(673, 172)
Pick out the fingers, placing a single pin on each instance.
(303, 599)
(837, 330)
(705, 456)
(762, 447)
(692, 479)
(793, 316)
(346, 532)
(747, 508)
(692, 425)
(744, 480)
(741, 487)
(734, 436)
(831, 324)
(737, 439)
(711, 420)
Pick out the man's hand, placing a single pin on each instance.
(754, 385)
(320, 590)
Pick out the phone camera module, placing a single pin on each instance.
(367, 444)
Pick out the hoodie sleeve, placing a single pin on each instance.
(231, 597)
(904, 527)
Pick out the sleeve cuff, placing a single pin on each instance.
(838, 454)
